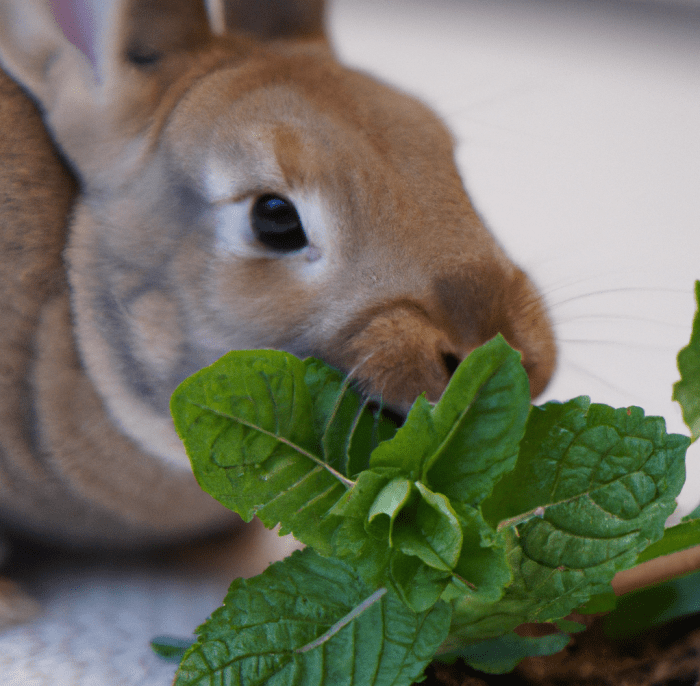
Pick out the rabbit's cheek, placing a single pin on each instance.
(156, 336)
(262, 302)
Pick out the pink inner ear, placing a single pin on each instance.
(77, 19)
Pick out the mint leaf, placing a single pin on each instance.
(388, 502)
(501, 655)
(480, 512)
(429, 530)
(470, 438)
(419, 585)
(401, 534)
(687, 391)
(413, 443)
(605, 480)
(248, 425)
(169, 648)
(601, 602)
(362, 543)
(483, 563)
(349, 431)
(569, 627)
(676, 538)
(537, 593)
(695, 514)
(482, 440)
(310, 619)
(592, 487)
(654, 605)
(398, 533)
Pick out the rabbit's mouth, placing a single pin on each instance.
(393, 414)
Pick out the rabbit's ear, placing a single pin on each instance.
(59, 76)
(35, 52)
(270, 19)
(78, 21)
(149, 31)
(98, 98)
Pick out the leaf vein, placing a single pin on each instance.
(348, 483)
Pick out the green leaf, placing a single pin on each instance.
(695, 514)
(569, 627)
(606, 481)
(470, 438)
(601, 602)
(403, 535)
(399, 534)
(654, 605)
(310, 619)
(479, 512)
(537, 593)
(501, 655)
(430, 531)
(427, 542)
(248, 425)
(170, 648)
(349, 431)
(364, 545)
(389, 502)
(419, 585)
(676, 538)
(412, 444)
(687, 391)
(603, 483)
(483, 563)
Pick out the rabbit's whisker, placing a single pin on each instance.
(624, 344)
(623, 289)
(617, 318)
(596, 377)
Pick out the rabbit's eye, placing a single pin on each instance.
(277, 225)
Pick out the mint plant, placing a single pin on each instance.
(435, 539)
(687, 391)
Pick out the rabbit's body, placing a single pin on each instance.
(235, 193)
(51, 416)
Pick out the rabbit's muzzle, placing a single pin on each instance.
(400, 349)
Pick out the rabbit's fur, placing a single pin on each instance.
(173, 135)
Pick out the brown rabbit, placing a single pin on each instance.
(239, 188)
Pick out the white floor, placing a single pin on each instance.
(579, 131)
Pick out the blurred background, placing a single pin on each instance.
(578, 132)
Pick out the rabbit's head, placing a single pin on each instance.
(242, 189)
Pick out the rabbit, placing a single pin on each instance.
(215, 180)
